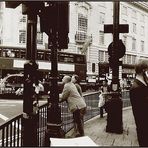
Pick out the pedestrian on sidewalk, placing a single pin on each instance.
(76, 103)
(139, 101)
(104, 89)
(75, 79)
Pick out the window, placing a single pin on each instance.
(82, 22)
(129, 59)
(39, 38)
(134, 14)
(102, 18)
(93, 67)
(133, 44)
(22, 36)
(142, 45)
(124, 10)
(101, 4)
(124, 40)
(124, 21)
(142, 17)
(124, 59)
(133, 59)
(79, 59)
(106, 56)
(142, 30)
(134, 27)
(1, 6)
(40, 55)
(101, 37)
(101, 56)
(23, 19)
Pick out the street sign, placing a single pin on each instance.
(119, 53)
(123, 28)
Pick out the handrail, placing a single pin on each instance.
(10, 120)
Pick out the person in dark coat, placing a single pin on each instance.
(139, 101)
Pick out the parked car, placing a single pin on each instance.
(13, 84)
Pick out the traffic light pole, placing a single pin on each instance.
(54, 122)
(30, 102)
(114, 107)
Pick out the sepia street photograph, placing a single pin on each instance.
(73, 73)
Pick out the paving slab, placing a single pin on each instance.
(95, 129)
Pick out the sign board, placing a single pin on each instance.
(123, 28)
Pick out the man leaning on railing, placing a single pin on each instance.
(76, 104)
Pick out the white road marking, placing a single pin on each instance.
(3, 117)
(8, 101)
(3, 105)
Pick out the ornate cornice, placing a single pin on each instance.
(142, 5)
(87, 5)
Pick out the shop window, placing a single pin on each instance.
(93, 67)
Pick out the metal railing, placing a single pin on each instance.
(93, 110)
(42, 123)
(11, 131)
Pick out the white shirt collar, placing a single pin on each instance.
(141, 80)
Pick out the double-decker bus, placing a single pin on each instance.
(12, 60)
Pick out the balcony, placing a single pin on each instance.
(81, 37)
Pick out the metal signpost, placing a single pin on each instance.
(116, 50)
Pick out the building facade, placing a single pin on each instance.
(86, 32)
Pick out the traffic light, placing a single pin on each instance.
(32, 7)
(54, 19)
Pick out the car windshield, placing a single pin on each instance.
(12, 79)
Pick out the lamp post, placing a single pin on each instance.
(30, 103)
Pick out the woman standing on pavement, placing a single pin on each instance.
(75, 102)
(104, 88)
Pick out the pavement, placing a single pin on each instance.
(95, 129)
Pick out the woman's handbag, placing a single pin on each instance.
(101, 102)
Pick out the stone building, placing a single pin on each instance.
(86, 32)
